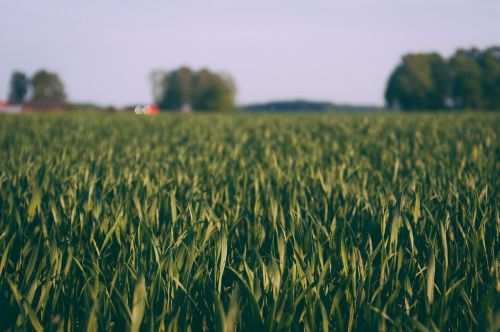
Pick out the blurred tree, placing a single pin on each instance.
(176, 89)
(213, 91)
(202, 90)
(157, 78)
(470, 79)
(19, 84)
(421, 81)
(466, 91)
(47, 87)
(490, 65)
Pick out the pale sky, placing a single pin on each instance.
(336, 50)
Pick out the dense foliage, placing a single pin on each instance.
(201, 90)
(44, 87)
(470, 79)
(19, 85)
(266, 222)
(47, 87)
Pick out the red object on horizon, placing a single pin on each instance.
(153, 109)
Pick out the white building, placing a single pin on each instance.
(9, 108)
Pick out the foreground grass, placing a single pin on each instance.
(270, 222)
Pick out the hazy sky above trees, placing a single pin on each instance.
(275, 49)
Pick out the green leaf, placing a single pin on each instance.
(36, 199)
(431, 271)
(138, 305)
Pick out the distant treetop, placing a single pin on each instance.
(47, 87)
(19, 85)
(470, 79)
(44, 87)
(202, 90)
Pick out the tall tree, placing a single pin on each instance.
(470, 79)
(19, 85)
(419, 82)
(490, 65)
(201, 90)
(47, 87)
(467, 90)
(157, 77)
(176, 89)
(213, 92)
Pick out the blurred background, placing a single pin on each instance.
(254, 55)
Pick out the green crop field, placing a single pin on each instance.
(250, 222)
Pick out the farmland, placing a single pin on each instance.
(250, 222)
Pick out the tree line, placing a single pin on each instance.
(44, 86)
(178, 89)
(201, 90)
(469, 79)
